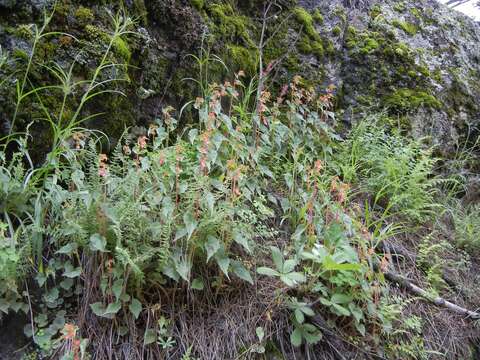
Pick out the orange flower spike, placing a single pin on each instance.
(142, 142)
(69, 331)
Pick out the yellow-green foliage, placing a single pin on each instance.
(317, 16)
(243, 58)
(122, 48)
(308, 46)
(95, 33)
(311, 42)
(365, 42)
(409, 28)
(198, 4)
(305, 19)
(229, 24)
(376, 11)
(84, 15)
(400, 7)
(404, 100)
(336, 31)
(141, 10)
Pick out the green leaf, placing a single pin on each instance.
(73, 273)
(260, 333)
(210, 200)
(312, 338)
(356, 312)
(241, 239)
(197, 284)
(223, 262)
(66, 284)
(296, 337)
(117, 288)
(113, 308)
(211, 246)
(289, 265)
(98, 308)
(296, 277)
(98, 243)
(341, 298)
(307, 311)
(183, 268)
(299, 316)
(67, 249)
(149, 337)
(341, 310)
(190, 223)
(135, 308)
(267, 271)
(242, 272)
(277, 258)
(192, 135)
(331, 265)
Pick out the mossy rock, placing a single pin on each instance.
(405, 100)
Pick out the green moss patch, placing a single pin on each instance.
(405, 100)
(409, 28)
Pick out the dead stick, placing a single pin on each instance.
(437, 300)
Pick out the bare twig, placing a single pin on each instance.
(437, 300)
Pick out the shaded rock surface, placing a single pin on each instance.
(417, 59)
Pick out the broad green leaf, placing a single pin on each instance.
(296, 337)
(98, 308)
(299, 316)
(211, 246)
(341, 310)
(113, 308)
(66, 284)
(356, 312)
(341, 298)
(307, 310)
(117, 288)
(67, 249)
(277, 258)
(331, 265)
(241, 239)
(242, 272)
(267, 271)
(289, 265)
(296, 277)
(312, 338)
(210, 201)
(73, 273)
(223, 262)
(135, 308)
(149, 337)
(183, 268)
(190, 223)
(98, 243)
(197, 284)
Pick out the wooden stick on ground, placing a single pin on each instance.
(439, 301)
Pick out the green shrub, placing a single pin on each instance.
(467, 227)
(396, 171)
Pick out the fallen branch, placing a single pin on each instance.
(437, 300)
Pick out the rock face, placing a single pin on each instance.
(416, 62)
